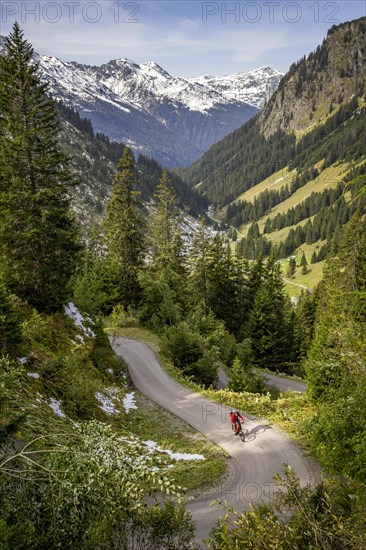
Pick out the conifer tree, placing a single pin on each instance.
(162, 282)
(222, 291)
(291, 267)
(96, 288)
(199, 264)
(304, 264)
(336, 366)
(340, 324)
(314, 257)
(123, 227)
(304, 321)
(166, 242)
(268, 326)
(38, 238)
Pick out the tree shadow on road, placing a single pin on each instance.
(252, 434)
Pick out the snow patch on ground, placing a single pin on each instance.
(129, 402)
(53, 403)
(152, 446)
(72, 311)
(55, 406)
(108, 400)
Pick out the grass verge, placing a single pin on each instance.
(151, 422)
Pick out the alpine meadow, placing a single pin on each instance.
(173, 253)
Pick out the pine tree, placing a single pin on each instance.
(291, 268)
(123, 226)
(314, 257)
(163, 285)
(268, 326)
(304, 264)
(165, 220)
(38, 237)
(199, 262)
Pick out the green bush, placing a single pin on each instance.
(326, 516)
(187, 351)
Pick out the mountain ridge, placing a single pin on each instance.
(268, 141)
(134, 103)
(313, 125)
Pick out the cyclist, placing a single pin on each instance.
(235, 418)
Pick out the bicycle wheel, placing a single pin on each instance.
(242, 435)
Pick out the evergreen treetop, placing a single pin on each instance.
(39, 241)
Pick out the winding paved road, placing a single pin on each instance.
(272, 380)
(283, 384)
(251, 464)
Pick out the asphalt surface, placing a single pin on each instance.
(252, 464)
(272, 380)
(283, 384)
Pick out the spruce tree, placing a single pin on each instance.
(304, 264)
(268, 326)
(336, 363)
(165, 238)
(163, 280)
(314, 257)
(123, 227)
(291, 268)
(38, 238)
(199, 262)
(222, 287)
(304, 321)
(96, 288)
(338, 347)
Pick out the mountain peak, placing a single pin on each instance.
(154, 69)
(136, 102)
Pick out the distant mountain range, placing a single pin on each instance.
(172, 119)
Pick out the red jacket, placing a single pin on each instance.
(234, 417)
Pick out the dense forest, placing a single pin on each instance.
(246, 157)
(80, 481)
(326, 224)
(93, 158)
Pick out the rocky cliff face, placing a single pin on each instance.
(314, 87)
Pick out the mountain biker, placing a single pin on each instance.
(235, 418)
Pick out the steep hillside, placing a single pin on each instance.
(267, 143)
(313, 87)
(281, 179)
(94, 158)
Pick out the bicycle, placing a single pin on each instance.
(240, 432)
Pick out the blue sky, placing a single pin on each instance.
(186, 38)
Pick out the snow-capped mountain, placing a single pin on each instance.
(254, 87)
(172, 119)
